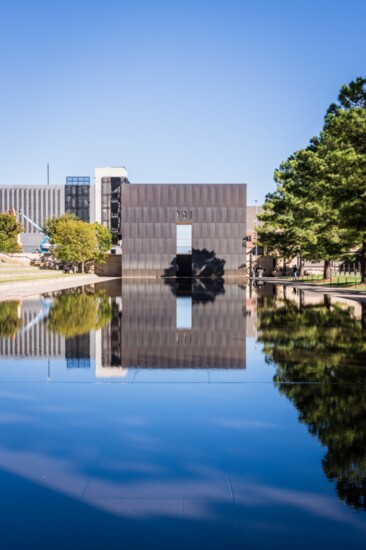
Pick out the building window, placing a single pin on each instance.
(77, 196)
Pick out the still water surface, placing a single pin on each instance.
(182, 416)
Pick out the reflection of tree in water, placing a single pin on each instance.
(324, 344)
(78, 313)
(206, 290)
(10, 321)
(201, 290)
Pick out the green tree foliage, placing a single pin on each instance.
(77, 241)
(351, 95)
(343, 147)
(51, 225)
(10, 321)
(318, 210)
(319, 353)
(10, 228)
(104, 239)
(308, 219)
(277, 230)
(73, 314)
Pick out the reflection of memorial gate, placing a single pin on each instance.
(160, 331)
(184, 265)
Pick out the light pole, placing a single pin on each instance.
(256, 227)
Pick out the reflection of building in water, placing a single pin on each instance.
(79, 350)
(255, 294)
(108, 345)
(151, 338)
(258, 296)
(164, 326)
(33, 339)
(301, 297)
(111, 337)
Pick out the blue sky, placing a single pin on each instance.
(177, 91)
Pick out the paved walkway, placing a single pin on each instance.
(32, 289)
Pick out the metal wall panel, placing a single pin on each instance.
(141, 195)
(132, 195)
(170, 198)
(150, 193)
(188, 195)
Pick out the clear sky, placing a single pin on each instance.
(175, 90)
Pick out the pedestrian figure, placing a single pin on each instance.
(294, 273)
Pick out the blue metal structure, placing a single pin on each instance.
(45, 244)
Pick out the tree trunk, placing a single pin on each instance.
(302, 299)
(363, 262)
(327, 301)
(301, 267)
(284, 267)
(82, 268)
(327, 269)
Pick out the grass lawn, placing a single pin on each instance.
(35, 277)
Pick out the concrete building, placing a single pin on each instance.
(109, 182)
(184, 230)
(38, 203)
(167, 230)
(78, 196)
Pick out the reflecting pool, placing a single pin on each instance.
(172, 414)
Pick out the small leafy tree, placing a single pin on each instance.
(10, 228)
(51, 225)
(104, 238)
(77, 241)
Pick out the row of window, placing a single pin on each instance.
(78, 180)
(37, 204)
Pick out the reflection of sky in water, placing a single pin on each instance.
(184, 312)
(196, 457)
